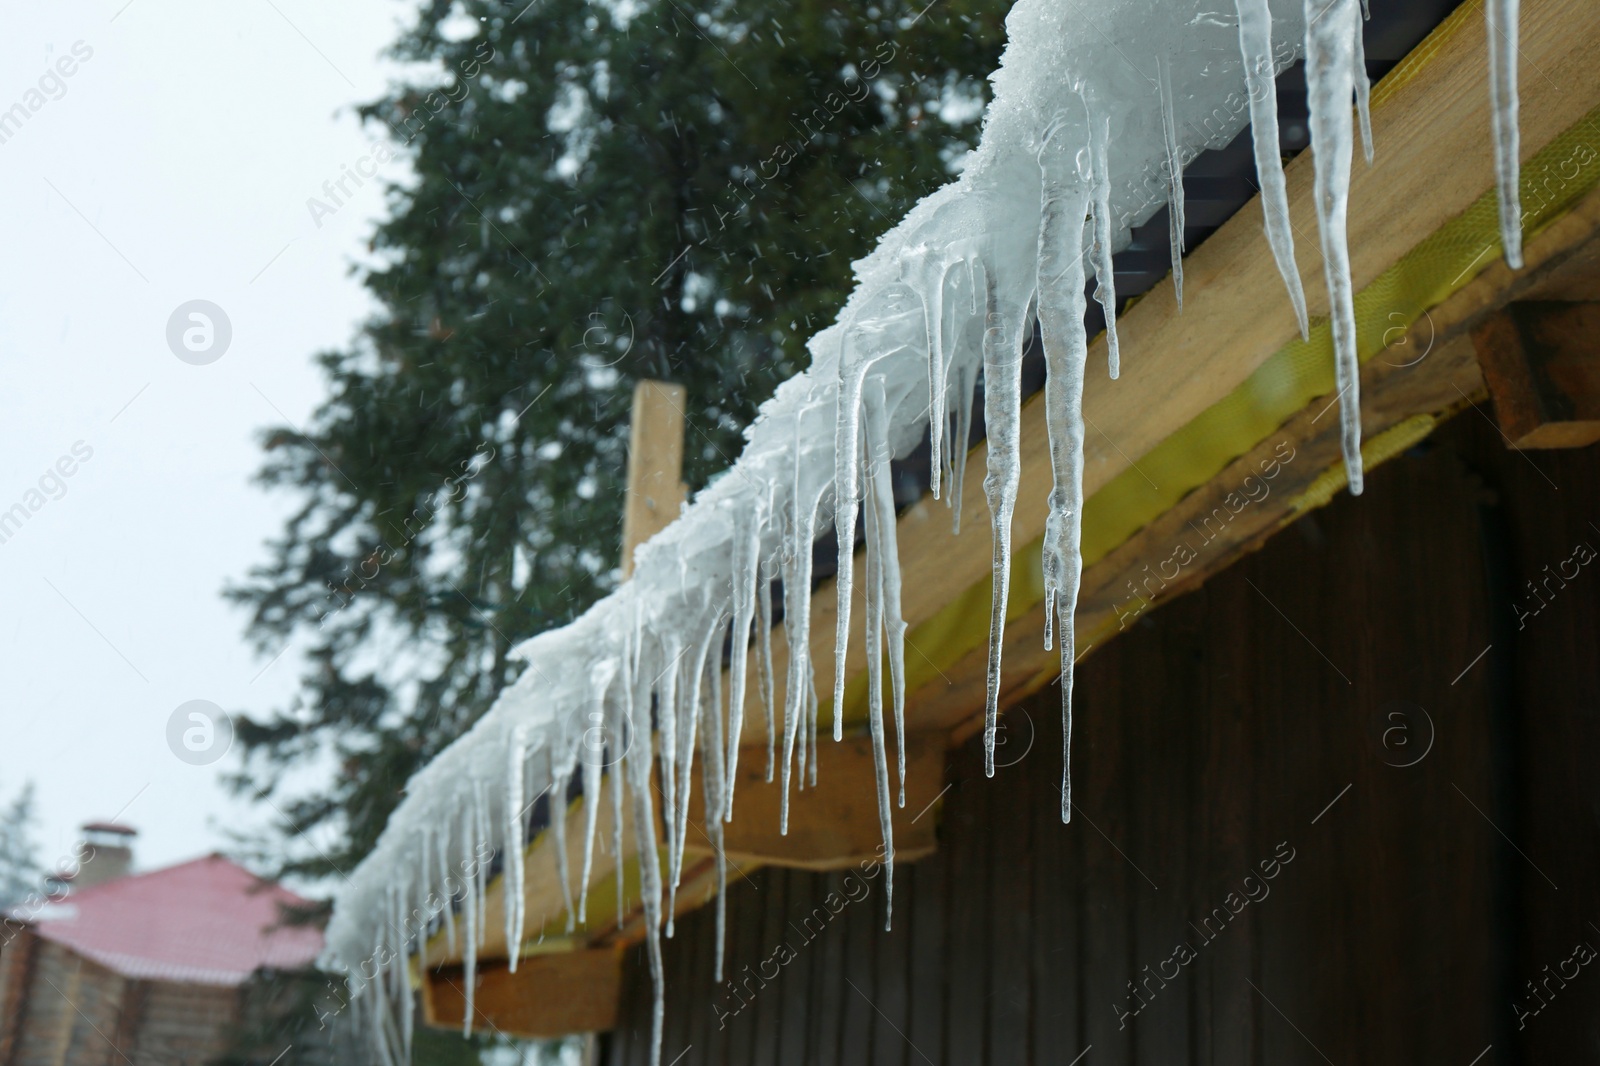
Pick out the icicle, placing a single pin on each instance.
(764, 656)
(797, 598)
(1169, 123)
(715, 784)
(560, 778)
(693, 711)
(448, 895)
(847, 496)
(932, 293)
(667, 716)
(1255, 44)
(428, 906)
(402, 972)
(592, 750)
(1502, 18)
(814, 706)
(513, 849)
(1330, 28)
(746, 552)
(637, 766)
(469, 931)
(622, 734)
(1363, 84)
(380, 1016)
(1105, 287)
(883, 541)
(1002, 412)
(1066, 351)
(877, 470)
(480, 822)
(965, 373)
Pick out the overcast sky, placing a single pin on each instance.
(164, 153)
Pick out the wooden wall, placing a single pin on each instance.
(1321, 708)
(63, 1010)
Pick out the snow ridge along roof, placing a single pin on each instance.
(1096, 109)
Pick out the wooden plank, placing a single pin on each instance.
(827, 977)
(859, 925)
(746, 950)
(835, 826)
(1177, 366)
(774, 932)
(1055, 941)
(1010, 874)
(890, 976)
(655, 465)
(1224, 800)
(549, 995)
(1109, 877)
(792, 1023)
(687, 1024)
(1159, 751)
(967, 909)
(1541, 362)
(928, 881)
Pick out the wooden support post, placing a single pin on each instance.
(655, 465)
(1541, 362)
(548, 996)
(835, 826)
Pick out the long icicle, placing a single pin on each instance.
(688, 729)
(1331, 26)
(1105, 281)
(591, 752)
(877, 472)
(764, 656)
(559, 779)
(1175, 219)
(637, 765)
(1502, 18)
(1066, 350)
(667, 721)
(513, 849)
(964, 369)
(1002, 407)
(746, 568)
(934, 276)
(1363, 84)
(469, 926)
(847, 496)
(622, 739)
(883, 539)
(446, 894)
(715, 781)
(1255, 44)
(797, 605)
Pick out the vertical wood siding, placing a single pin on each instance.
(1258, 720)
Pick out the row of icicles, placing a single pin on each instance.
(668, 682)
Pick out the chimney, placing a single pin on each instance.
(107, 854)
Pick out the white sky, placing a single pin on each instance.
(189, 142)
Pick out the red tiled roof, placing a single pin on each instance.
(209, 921)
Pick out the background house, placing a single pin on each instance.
(148, 968)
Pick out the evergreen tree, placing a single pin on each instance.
(20, 873)
(604, 191)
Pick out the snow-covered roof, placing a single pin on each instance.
(1096, 109)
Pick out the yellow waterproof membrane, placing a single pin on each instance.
(1552, 182)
